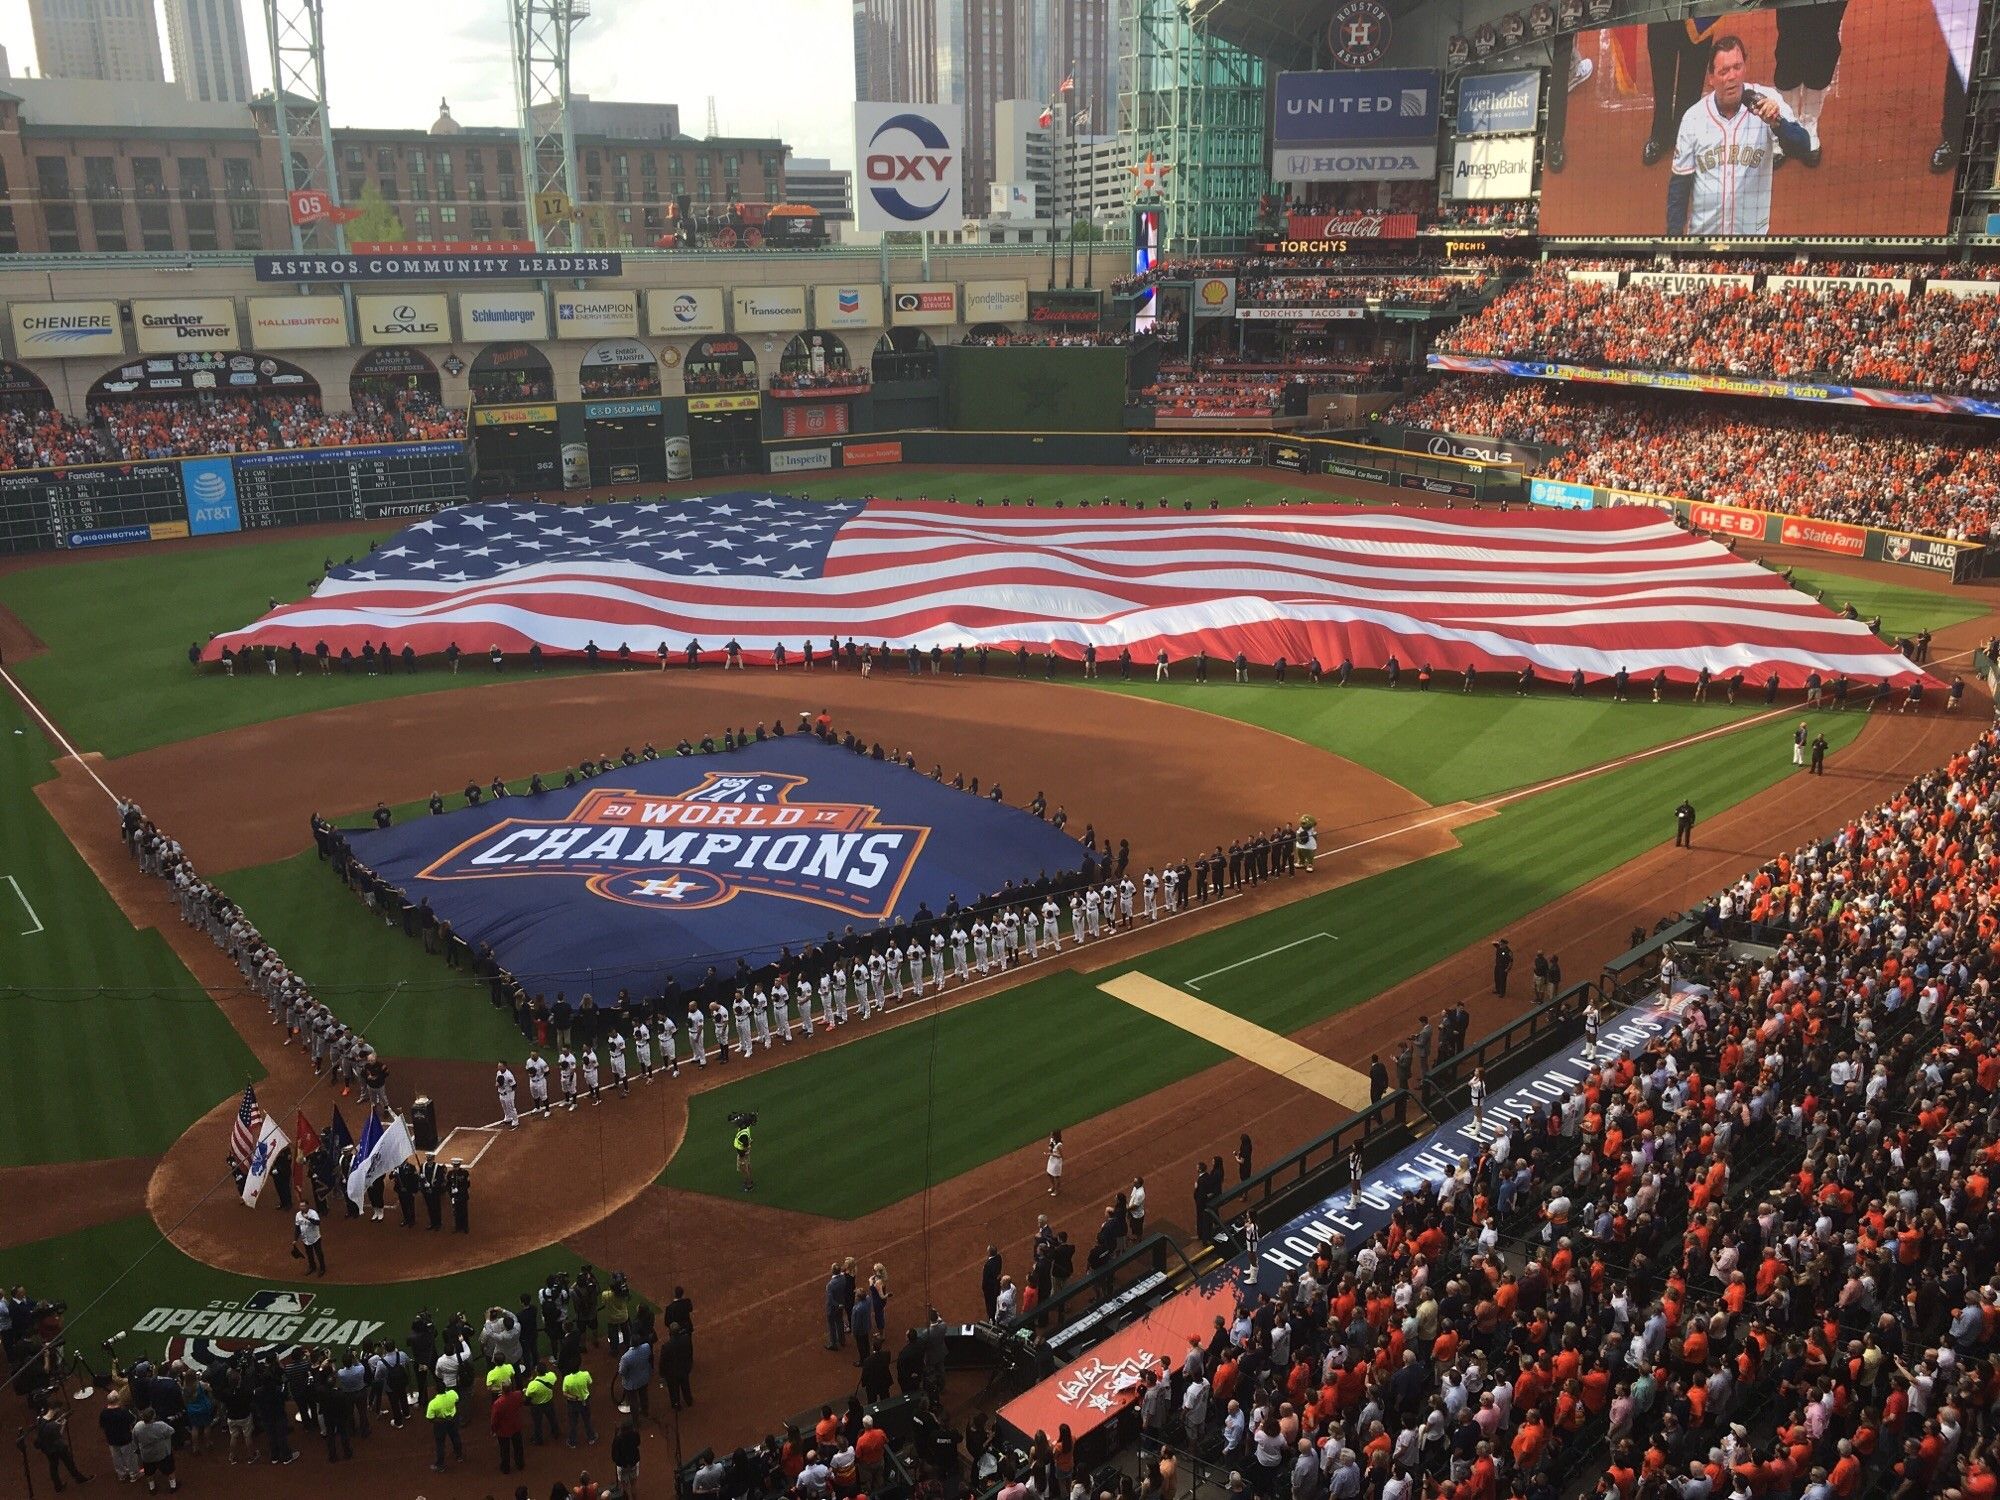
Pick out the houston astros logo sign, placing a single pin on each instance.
(736, 832)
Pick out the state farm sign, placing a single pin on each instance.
(1823, 536)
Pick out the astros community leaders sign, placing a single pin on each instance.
(498, 267)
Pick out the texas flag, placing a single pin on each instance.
(1048, 117)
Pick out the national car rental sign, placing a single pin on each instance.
(911, 166)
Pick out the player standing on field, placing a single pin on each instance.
(1726, 150)
(503, 1085)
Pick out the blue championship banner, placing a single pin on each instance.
(670, 866)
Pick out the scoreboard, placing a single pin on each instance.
(104, 504)
(42, 508)
(348, 484)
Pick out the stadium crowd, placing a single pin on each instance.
(126, 429)
(1857, 335)
(1754, 1258)
(1053, 338)
(627, 380)
(1333, 290)
(1877, 471)
(832, 378)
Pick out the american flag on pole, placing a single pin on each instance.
(1595, 591)
(249, 1125)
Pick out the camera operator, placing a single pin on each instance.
(52, 1442)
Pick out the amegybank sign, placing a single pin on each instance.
(168, 327)
(64, 330)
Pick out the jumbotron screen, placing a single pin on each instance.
(1814, 119)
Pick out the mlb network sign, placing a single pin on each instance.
(911, 161)
(1366, 108)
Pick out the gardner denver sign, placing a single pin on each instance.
(732, 833)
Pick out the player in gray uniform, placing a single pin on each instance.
(1726, 150)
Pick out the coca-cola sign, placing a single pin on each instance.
(1351, 226)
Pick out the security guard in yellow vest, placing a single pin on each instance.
(442, 1413)
(576, 1396)
(743, 1154)
(540, 1392)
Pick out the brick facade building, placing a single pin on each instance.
(92, 166)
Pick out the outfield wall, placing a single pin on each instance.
(1960, 560)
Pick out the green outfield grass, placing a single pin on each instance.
(1449, 746)
(1904, 611)
(995, 1075)
(123, 1276)
(90, 1008)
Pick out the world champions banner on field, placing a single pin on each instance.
(670, 866)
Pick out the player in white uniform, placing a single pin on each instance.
(537, 1068)
(826, 1000)
(839, 995)
(1728, 144)
(781, 1008)
(1170, 888)
(1126, 894)
(642, 1047)
(1093, 911)
(697, 1034)
(566, 1071)
(669, 1050)
(958, 954)
(937, 959)
(589, 1061)
(760, 1015)
(1151, 887)
(981, 942)
(740, 1006)
(616, 1047)
(503, 1085)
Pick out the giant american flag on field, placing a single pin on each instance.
(1592, 590)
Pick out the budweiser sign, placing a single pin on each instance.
(1351, 226)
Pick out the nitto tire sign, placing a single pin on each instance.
(1457, 488)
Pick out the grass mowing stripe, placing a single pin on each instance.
(87, 1004)
(1449, 746)
(1404, 920)
(1009, 1068)
(845, 1131)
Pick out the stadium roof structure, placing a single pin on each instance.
(1279, 31)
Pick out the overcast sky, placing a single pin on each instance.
(776, 67)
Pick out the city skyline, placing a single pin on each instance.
(462, 54)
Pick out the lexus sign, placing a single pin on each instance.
(911, 164)
(1478, 450)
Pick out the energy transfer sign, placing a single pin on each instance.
(911, 165)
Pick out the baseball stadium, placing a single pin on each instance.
(1263, 760)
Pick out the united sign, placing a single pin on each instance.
(668, 866)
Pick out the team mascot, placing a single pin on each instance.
(1308, 842)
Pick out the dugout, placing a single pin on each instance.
(626, 439)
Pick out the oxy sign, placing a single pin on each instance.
(910, 161)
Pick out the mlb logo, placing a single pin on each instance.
(278, 1302)
(1416, 103)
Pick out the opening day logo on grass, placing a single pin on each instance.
(264, 1322)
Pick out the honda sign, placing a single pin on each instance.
(910, 158)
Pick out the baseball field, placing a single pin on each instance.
(1446, 820)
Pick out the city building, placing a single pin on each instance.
(117, 41)
(94, 166)
(210, 52)
(1084, 45)
(813, 181)
(895, 50)
(630, 120)
(1047, 179)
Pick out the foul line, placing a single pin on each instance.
(1195, 983)
(56, 734)
(26, 931)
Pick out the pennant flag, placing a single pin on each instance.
(262, 1158)
(305, 1142)
(378, 1153)
(249, 1125)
